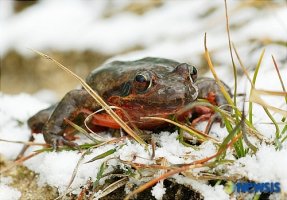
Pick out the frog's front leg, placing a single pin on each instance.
(209, 90)
(68, 108)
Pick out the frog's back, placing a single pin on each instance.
(110, 76)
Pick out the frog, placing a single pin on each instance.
(146, 87)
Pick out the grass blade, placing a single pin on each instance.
(100, 174)
(231, 54)
(253, 83)
(103, 155)
(73, 175)
(228, 138)
(218, 82)
(280, 78)
(199, 135)
(23, 142)
(255, 97)
(112, 187)
(83, 131)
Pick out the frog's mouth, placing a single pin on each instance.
(144, 106)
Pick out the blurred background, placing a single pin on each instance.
(84, 34)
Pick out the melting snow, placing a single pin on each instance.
(174, 30)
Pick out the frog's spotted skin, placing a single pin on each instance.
(145, 87)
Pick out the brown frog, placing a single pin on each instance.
(146, 87)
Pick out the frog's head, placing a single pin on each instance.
(158, 90)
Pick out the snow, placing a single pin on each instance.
(11, 107)
(134, 152)
(174, 30)
(158, 191)
(14, 111)
(7, 192)
(56, 168)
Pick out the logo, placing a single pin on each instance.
(251, 187)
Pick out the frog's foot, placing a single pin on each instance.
(58, 140)
(210, 116)
(214, 118)
(201, 118)
(204, 113)
(61, 141)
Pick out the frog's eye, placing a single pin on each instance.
(142, 82)
(141, 78)
(193, 73)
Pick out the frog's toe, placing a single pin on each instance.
(59, 140)
(216, 117)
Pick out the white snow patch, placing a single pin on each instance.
(5, 180)
(56, 168)
(19, 107)
(176, 153)
(46, 96)
(7, 192)
(158, 191)
(135, 152)
(14, 112)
